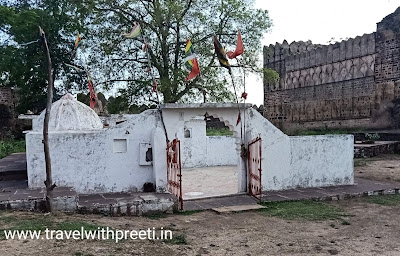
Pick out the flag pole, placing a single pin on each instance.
(237, 101)
(147, 48)
(244, 100)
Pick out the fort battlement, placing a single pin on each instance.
(352, 83)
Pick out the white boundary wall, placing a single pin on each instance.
(113, 159)
(304, 161)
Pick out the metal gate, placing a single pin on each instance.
(174, 171)
(254, 163)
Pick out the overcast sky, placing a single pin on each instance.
(318, 21)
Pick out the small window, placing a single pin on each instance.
(120, 146)
(188, 133)
(149, 155)
(145, 154)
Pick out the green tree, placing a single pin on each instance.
(24, 66)
(167, 24)
(117, 105)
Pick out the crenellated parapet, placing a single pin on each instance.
(305, 64)
(338, 84)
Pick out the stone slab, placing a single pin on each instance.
(27, 194)
(238, 208)
(149, 198)
(210, 203)
(13, 162)
(13, 184)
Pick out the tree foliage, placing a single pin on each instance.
(119, 64)
(167, 24)
(24, 66)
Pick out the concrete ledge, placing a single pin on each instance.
(129, 204)
(65, 199)
(378, 148)
(361, 188)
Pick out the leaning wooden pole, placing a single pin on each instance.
(49, 181)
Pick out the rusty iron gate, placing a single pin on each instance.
(254, 164)
(174, 170)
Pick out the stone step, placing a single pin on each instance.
(13, 167)
(67, 200)
(377, 148)
(238, 208)
(13, 175)
(129, 204)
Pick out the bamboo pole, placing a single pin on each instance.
(49, 181)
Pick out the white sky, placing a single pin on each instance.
(318, 21)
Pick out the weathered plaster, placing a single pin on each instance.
(305, 161)
(200, 150)
(89, 160)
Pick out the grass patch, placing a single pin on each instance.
(13, 223)
(33, 224)
(359, 162)
(8, 147)
(7, 219)
(218, 132)
(157, 216)
(188, 213)
(302, 210)
(177, 239)
(389, 200)
(323, 132)
(75, 225)
(41, 222)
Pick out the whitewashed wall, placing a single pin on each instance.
(221, 150)
(200, 150)
(321, 160)
(87, 160)
(218, 150)
(306, 161)
(194, 148)
(175, 116)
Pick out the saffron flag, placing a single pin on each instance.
(239, 48)
(155, 86)
(191, 61)
(77, 41)
(239, 119)
(135, 31)
(221, 54)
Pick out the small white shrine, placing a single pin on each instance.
(124, 152)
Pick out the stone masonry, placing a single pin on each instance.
(349, 84)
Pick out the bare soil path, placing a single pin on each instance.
(359, 226)
(382, 167)
(365, 229)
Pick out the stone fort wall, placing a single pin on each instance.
(348, 84)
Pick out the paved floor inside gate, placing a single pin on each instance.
(209, 181)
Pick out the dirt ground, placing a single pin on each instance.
(365, 228)
(383, 167)
(209, 181)
(370, 229)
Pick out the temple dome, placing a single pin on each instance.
(68, 114)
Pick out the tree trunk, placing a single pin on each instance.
(49, 181)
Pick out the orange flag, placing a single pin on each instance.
(239, 48)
